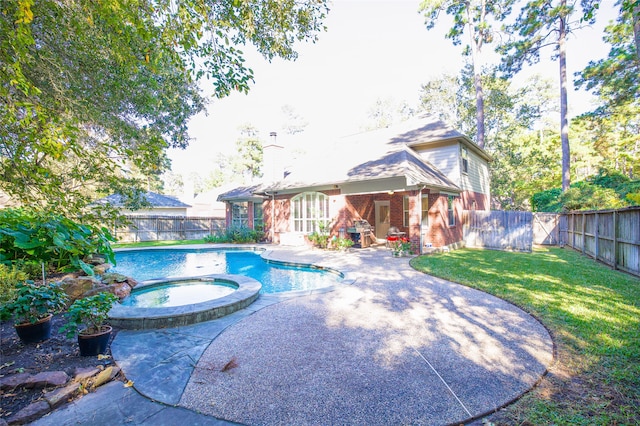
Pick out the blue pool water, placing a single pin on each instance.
(178, 293)
(171, 263)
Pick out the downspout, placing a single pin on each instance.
(421, 219)
(273, 214)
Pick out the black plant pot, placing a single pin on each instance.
(94, 344)
(36, 332)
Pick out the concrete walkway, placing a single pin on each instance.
(391, 346)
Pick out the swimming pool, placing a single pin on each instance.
(151, 264)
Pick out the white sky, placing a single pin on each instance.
(372, 49)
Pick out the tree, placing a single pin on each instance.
(522, 158)
(631, 9)
(439, 97)
(294, 123)
(544, 23)
(474, 16)
(615, 79)
(91, 90)
(386, 112)
(248, 160)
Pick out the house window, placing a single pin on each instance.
(239, 215)
(405, 211)
(452, 216)
(258, 222)
(310, 209)
(425, 210)
(465, 160)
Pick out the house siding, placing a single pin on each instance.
(477, 177)
(446, 158)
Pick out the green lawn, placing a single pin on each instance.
(157, 243)
(593, 314)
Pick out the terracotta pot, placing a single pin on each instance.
(36, 332)
(94, 344)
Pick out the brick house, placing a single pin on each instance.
(418, 176)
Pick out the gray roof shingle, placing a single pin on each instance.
(155, 199)
(367, 156)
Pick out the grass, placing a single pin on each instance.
(593, 314)
(158, 243)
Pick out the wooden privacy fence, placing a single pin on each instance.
(499, 230)
(158, 228)
(610, 236)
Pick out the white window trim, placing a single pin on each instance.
(451, 212)
(464, 157)
(319, 210)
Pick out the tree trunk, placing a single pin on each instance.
(476, 45)
(635, 11)
(564, 121)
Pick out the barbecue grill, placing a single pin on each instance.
(360, 233)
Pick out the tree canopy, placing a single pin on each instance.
(474, 17)
(543, 23)
(94, 92)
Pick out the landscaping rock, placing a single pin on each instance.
(81, 374)
(30, 413)
(47, 378)
(14, 381)
(95, 259)
(114, 277)
(121, 290)
(59, 396)
(102, 268)
(77, 287)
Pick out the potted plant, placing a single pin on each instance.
(32, 308)
(400, 247)
(87, 318)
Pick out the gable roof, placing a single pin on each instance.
(156, 200)
(401, 162)
(378, 155)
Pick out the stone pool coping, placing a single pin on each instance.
(136, 318)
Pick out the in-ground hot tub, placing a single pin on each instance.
(169, 302)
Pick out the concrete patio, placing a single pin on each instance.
(390, 346)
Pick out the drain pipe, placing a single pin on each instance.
(273, 214)
(421, 239)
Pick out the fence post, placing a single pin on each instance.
(596, 235)
(615, 240)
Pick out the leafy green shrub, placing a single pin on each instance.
(10, 276)
(33, 302)
(236, 235)
(547, 201)
(342, 243)
(35, 236)
(587, 196)
(319, 239)
(88, 315)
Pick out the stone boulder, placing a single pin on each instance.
(102, 268)
(113, 278)
(95, 259)
(77, 287)
(121, 290)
